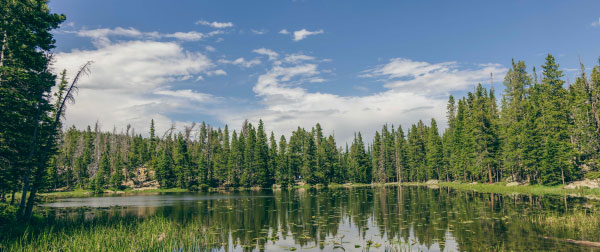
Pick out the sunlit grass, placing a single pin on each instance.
(117, 234)
(78, 193)
(580, 223)
(501, 188)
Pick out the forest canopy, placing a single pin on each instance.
(538, 132)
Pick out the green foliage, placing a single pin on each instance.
(592, 175)
(542, 133)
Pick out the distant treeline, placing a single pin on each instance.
(542, 133)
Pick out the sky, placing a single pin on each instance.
(348, 65)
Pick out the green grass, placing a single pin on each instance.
(80, 193)
(522, 189)
(479, 187)
(582, 224)
(501, 188)
(114, 234)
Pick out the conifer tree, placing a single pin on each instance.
(434, 153)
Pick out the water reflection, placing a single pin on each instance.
(419, 218)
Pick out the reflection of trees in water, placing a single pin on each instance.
(312, 218)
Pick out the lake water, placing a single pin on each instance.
(351, 219)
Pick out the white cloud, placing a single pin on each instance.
(241, 62)
(215, 24)
(216, 72)
(264, 51)
(187, 94)
(288, 105)
(596, 23)
(101, 37)
(130, 84)
(302, 34)
(423, 77)
(297, 58)
(259, 32)
(188, 36)
(284, 31)
(210, 48)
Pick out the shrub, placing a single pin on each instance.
(8, 214)
(592, 175)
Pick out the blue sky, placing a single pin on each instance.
(350, 65)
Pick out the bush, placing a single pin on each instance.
(8, 214)
(203, 187)
(592, 175)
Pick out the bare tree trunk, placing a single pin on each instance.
(3, 48)
(39, 171)
(490, 173)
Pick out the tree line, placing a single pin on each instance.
(539, 132)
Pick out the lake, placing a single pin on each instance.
(392, 218)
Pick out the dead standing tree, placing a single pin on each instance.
(26, 206)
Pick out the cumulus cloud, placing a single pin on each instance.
(130, 84)
(438, 78)
(215, 24)
(286, 104)
(284, 31)
(302, 34)
(188, 36)
(268, 52)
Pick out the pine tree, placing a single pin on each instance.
(248, 178)
(554, 121)
(582, 102)
(309, 171)
(283, 175)
(514, 104)
(273, 159)
(434, 153)
(235, 160)
(261, 155)
(402, 164)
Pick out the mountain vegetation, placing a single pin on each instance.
(539, 132)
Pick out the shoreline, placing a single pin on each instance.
(500, 188)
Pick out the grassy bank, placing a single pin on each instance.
(501, 188)
(120, 234)
(584, 225)
(78, 193)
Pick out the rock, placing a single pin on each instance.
(517, 184)
(586, 183)
(431, 182)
